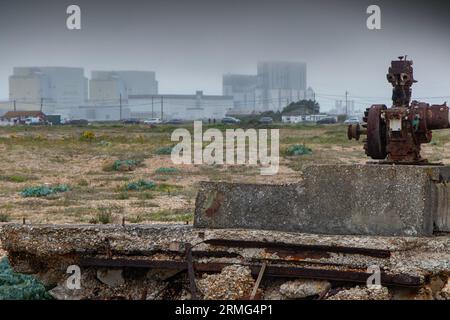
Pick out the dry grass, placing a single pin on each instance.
(56, 155)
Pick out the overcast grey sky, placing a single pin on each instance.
(191, 43)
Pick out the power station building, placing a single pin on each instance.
(242, 88)
(196, 106)
(113, 95)
(275, 85)
(53, 88)
(108, 86)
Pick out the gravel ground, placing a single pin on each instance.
(362, 293)
(234, 282)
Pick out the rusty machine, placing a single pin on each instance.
(394, 134)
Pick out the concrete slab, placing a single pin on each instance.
(335, 199)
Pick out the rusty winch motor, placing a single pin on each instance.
(395, 134)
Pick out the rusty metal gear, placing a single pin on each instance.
(375, 145)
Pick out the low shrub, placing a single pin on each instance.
(87, 136)
(166, 170)
(164, 150)
(104, 216)
(140, 185)
(136, 219)
(167, 188)
(105, 143)
(15, 286)
(13, 178)
(121, 165)
(43, 191)
(125, 165)
(146, 196)
(298, 150)
(17, 179)
(83, 183)
(4, 217)
(123, 196)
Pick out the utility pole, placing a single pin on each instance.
(152, 108)
(42, 103)
(120, 106)
(15, 105)
(162, 108)
(346, 103)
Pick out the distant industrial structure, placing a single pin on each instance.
(275, 85)
(181, 106)
(107, 86)
(242, 88)
(343, 107)
(107, 96)
(109, 93)
(55, 88)
(114, 95)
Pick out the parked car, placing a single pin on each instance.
(153, 121)
(265, 120)
(175, 121)
(230, 120)
(79, 122)
(352, 120)
(131, 121)
(34, 121)
(329, 120)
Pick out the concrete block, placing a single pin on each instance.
(335, 199)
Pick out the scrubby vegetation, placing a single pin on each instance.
(298, 150)
(87, 136)
(14, 286)
(165, 170)
(104, 215)
(164, 150)
(4, 217)
(140, 185)
(43, 191)
(122, 165)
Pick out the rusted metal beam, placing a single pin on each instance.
(258, 281)
(191, 272)
(319, 274)
(270, 271)
(132, 263)
(378, 253)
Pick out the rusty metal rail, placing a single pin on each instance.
(297, 248)
(270, 271)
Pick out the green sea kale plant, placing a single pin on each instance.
(16, 286)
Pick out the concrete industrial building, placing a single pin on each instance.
(242, 88)
(110, 91)
(166, 107)
(280, 83)
(276, 84)
(109, 86)
(180, 106)
(55, 88)
(113, 95)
